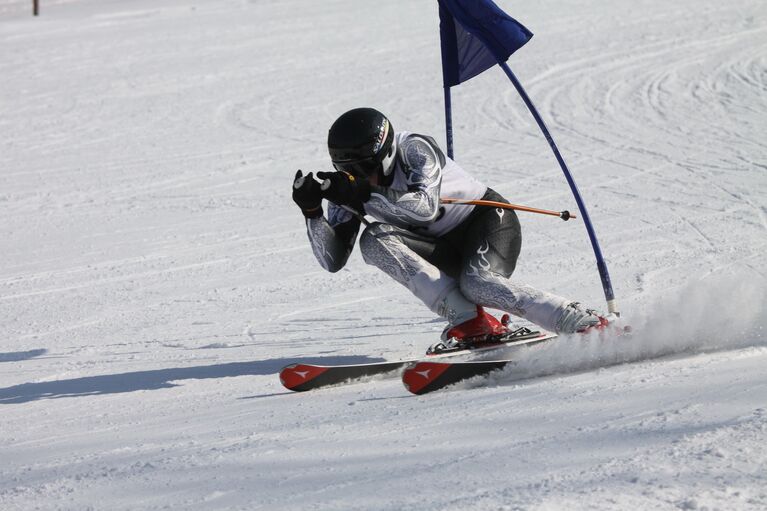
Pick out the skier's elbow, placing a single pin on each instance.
(329, 264)
(335, 267)
(333, 264)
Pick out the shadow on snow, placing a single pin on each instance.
(157, 379)
(18, 356)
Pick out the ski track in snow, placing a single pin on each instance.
(155, 276)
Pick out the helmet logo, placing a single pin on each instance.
(383, 132)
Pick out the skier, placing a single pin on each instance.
(457, 259)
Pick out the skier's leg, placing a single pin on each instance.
(411, 260)
(492, 247)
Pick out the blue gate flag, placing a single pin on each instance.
(475, 36)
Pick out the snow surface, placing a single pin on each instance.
(155, 276)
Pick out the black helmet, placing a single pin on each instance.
(361, 142)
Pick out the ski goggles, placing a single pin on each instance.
(367, 167)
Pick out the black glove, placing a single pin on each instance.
(307, 194)
(342, 188)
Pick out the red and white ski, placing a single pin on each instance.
(428, 376)
(302, 377)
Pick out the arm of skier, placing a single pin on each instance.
(333, 240)
(419, 204)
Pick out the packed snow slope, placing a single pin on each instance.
(155, 275)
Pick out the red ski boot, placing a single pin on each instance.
(478, 328)
(481, 330)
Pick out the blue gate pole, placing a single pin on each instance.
(601, 265)
(448, 122)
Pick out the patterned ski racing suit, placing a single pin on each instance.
(449, 256)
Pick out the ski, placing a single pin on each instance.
(428, 376)
(302, 377)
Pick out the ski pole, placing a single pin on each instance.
(564, 215)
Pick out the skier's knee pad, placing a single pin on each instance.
(468, 283)
(475, 283)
